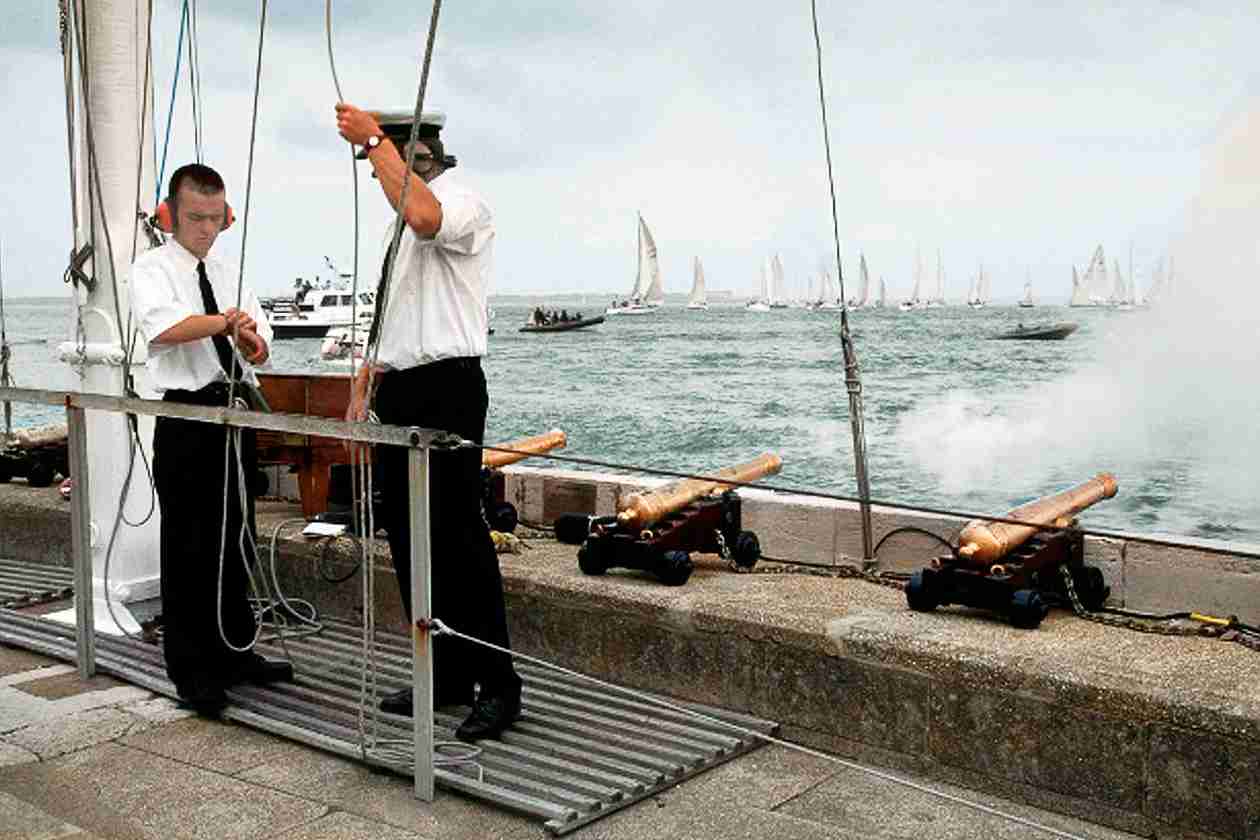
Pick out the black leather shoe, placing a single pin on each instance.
(204, 696)
(260, 671)
(490, 716)
(400, 702)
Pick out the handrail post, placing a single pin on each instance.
(81, 541)
(421, 607)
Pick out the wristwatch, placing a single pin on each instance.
(373, 142)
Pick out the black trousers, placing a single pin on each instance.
(467, 588)
(188, 468)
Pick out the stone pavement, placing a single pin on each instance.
(101, 759)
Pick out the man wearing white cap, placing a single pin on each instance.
(430, 325)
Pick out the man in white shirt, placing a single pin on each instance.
(182, 301)
(431, 328)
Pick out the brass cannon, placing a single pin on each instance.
(1015, 569)
(656, 531)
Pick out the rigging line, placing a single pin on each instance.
(170, 111)
(232, 436)
(853, 381)
(438, 628)
(838, 497)
(391, 254)
(194, 79)
(67, 61)
(360, 472)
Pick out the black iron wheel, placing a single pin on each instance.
(673, 568)
(747, 550)
(590, 560)
(503, 518)
(1027, 609)
(39, 475)
(923, 591)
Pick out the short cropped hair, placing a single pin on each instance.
(196, 175)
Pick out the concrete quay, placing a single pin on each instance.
(105, 761)
(1154, 735)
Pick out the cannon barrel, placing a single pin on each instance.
(536, 445)
(638, 510)
(982, 542)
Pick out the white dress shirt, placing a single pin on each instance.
(436, 306)
(164, 291)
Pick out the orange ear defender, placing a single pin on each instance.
(166, 220)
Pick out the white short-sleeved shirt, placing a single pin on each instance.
(164, 291)
(436, 306)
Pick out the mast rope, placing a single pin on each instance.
(170, 111)
(852, 376)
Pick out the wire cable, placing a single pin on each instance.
(438, 628)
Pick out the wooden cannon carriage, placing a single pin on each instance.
(1015, 569)
(657, 531)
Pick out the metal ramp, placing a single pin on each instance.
(579, 752)
(27, 584)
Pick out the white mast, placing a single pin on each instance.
(109, 116)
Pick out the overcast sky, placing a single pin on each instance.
(1022, 135)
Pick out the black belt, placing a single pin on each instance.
(216, 393)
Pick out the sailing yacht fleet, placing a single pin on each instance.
(1098, 286)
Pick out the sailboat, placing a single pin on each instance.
(978, 295)
(864, 285)
(761, 301)
(939, 298)
(882, 300)
(648, 292)
(829, 296)
(1090, 290)
(697, 298)
(914, 302)
(1026, 302)
(778, 289)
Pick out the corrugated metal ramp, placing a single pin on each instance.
(26, 584)
(578, 752)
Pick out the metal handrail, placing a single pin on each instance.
(417, 440)
(301, 424)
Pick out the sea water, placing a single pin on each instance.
(953, 419)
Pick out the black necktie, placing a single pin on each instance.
(221, 345)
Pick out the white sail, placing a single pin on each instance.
(1027, 299)
(940, 280)
(778, 294)
(883, 293)
(1091, 289)
(864, 286)
(697, 298)
(973, 291)
(1119, 288)
(918, 276)
(983, 287)
(648, 286)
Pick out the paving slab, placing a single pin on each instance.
(220, 746)
(385, 798)
(34, 824)
(862, 803)
(11, 754)
(75, 731)
(117, 791)
(343, 826)
(66, 684)
(17, 661)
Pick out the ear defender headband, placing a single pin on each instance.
(166, 219)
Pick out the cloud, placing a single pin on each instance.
(1020, 139)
